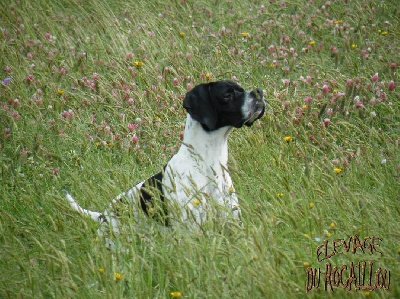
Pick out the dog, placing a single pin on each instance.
(195, 185)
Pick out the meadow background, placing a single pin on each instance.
(91, 95)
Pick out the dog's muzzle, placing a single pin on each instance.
(257, 106)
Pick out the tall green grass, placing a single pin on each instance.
(91, 101)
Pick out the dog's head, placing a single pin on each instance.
(224, 103)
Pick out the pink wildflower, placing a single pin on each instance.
(131, 126)
(134, 139)
(271, 48)
(95, 76)
(30, 78)
(364, 52)
(391, 85)
(285, 82)
(16, 115)
(359, 104)
(223, 30)
(326, 122)
(67, 114)
(334, 50)
(349, 82)
(307, 99)
(373, 101)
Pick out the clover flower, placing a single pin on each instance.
(30, 78)
(132, 127)
(325, 88)
(326, 122)
(134, 139)
(391, 85)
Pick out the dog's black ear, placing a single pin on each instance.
(198, 104)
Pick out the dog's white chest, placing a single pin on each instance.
(196, 179)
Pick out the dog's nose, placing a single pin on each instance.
(259, 94)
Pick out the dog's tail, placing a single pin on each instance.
(96, 216)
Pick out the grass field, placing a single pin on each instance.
(91, 95)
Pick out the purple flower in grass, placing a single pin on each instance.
(6, 81)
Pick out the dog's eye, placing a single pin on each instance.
(228, 95)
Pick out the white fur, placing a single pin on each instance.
(199, 172)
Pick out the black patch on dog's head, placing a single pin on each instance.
(216, 104)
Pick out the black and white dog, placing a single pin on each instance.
(195, 182)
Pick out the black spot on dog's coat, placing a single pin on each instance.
(152, 199)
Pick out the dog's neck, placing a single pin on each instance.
(211, 146)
